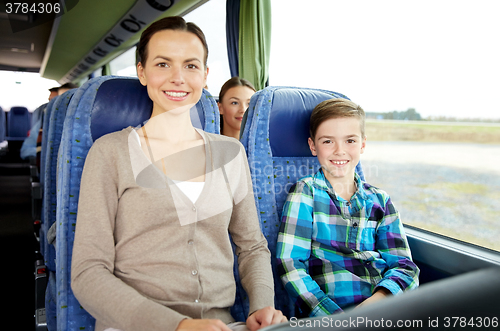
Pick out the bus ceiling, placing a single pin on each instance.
(66, 41)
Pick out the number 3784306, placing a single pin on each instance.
(26, 8)
(472, 322)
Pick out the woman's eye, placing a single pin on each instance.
(235, 103)
(192, 66)
(162, 65)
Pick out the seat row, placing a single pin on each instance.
(15, 124)
(274, 134)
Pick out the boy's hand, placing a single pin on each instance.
(265, 317)
(380, 294)
(202, 325)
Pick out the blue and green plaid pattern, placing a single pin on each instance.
(334, 253)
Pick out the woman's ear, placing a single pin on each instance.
(140, 74)
(311, 146)
(221, 109)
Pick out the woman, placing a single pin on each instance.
(151, 249)
(234, 98)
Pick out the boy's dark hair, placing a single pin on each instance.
(335, 108)
(175, 23)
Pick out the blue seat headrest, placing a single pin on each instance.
(19, 110)
(119, 103)
(289, 120)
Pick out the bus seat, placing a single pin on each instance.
(37, 188)
(52, 135)
(45, 121)
(37, 114)
(51, 138)
(100, 106)
(275, 138)
(28, 150)
(3, 127)
(18, 123)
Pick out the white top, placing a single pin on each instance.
(191, 189)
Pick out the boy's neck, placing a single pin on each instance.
(345, 186)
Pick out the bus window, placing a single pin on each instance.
(15, 86)
(425, 73)
(124, 65)
(211, 18)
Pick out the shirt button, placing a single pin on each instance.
(194, 208)
(355, 224)
(194, 272)
(196, 300)
(191, 242)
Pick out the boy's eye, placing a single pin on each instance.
(351, 141)
(327, 141)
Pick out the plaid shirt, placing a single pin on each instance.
(334, 253)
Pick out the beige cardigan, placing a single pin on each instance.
(145, 257)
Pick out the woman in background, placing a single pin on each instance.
(234, 98)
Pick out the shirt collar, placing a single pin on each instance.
(320, 182)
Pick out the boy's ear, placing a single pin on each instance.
(311, 146)
(363, 145)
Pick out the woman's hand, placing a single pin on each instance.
(202, 325)
(265, 317)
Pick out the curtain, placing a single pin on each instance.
(254, 41)
(232, 34)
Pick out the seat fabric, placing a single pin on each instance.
(52, 134)
(45, 117)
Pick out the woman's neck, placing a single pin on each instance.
(172, 126)
(230, 132)
(171, 138)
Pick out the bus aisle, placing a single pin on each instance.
(16, 241)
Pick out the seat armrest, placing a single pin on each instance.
(33, 171)
(40, 287)
(36, 190)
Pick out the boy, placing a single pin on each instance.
(341, 242)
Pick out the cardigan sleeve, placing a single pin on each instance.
(106, 297)
(254, 258)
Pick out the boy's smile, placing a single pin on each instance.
(338, 145)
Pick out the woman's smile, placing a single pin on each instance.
(176, 95)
